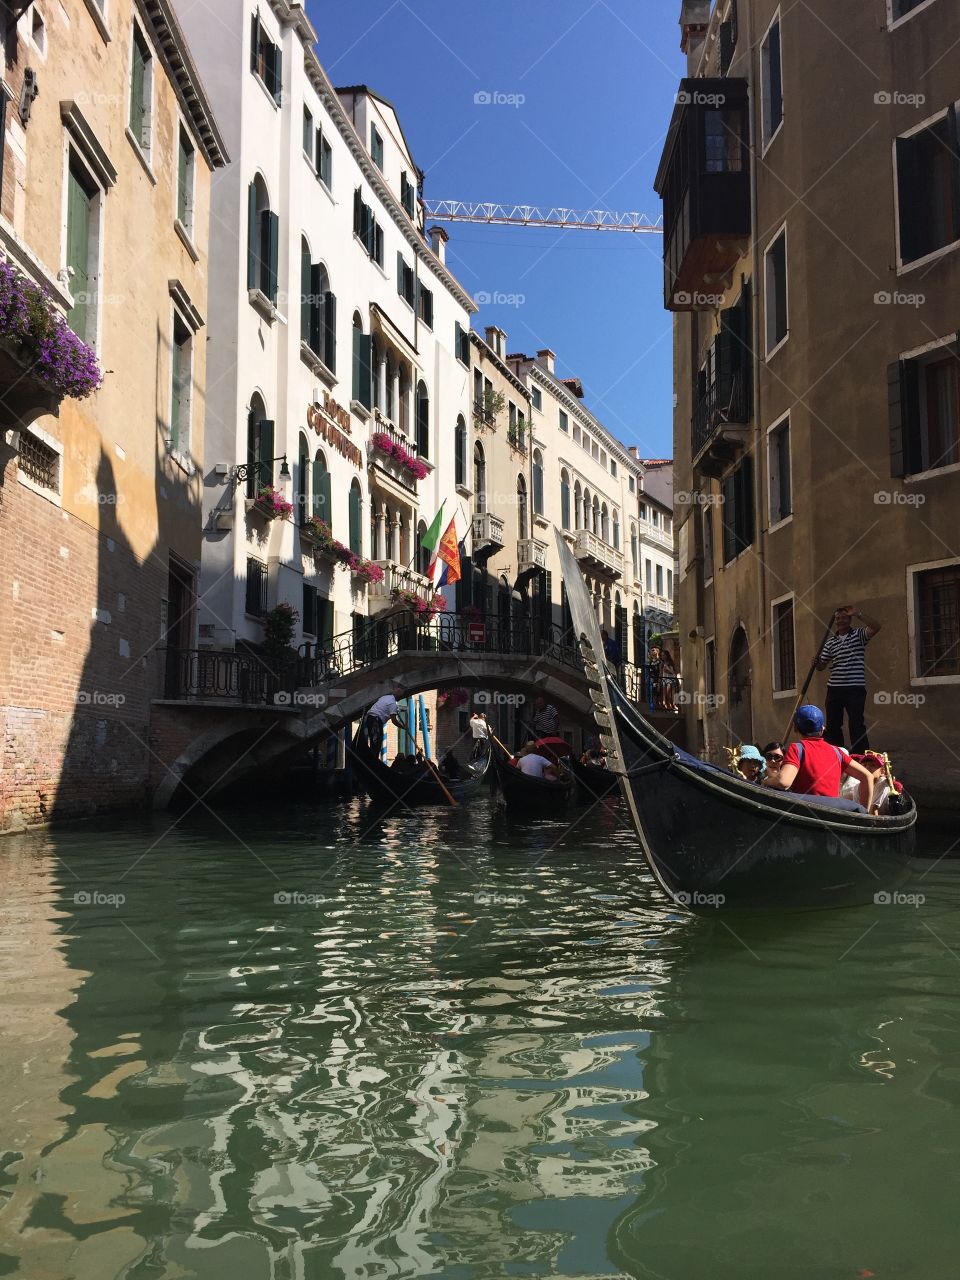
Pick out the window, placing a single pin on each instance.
(266, 59)
(595, 450)
(479, 478)
(604, 523)
(655, 518)
(423, 420)
(310, 613)
(362, 364)
(924, 400)
(460, 453)
(521, 508)
(659, 579)
(181, 396)
(707, 547)
(928, 188)
(322, 495)
(900, 8)
(643, 511)
(82, 249)
(406, 282)
(579, 521)
(263, 241)
(309, 136)
(38, 32)
(738, 510)
(778, 465)
(461, 348)
(408, 194)
(669, 584)
(616, 530)
(564, 420)
(635, 552)
(318, 309)
(631, 481)
(565, 499)
(648, 574)
(603, 459)
(367, 229)
(537, 482)
(710, 668)
(260, 434)
(301, 482)
(356, 518)
(324, 160)
(576, 435)
(141, 91)
(376, 147)
(724, 143)
(537, 399)
(667, 524)
(771, 74)
(38, 462)
(425, 305)
(512, 418)
(256, 601)
(775, 281)
(784, 658)
(613, 467)
(186, 165)
(478, 407)
(937, 612)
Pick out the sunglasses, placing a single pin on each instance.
(777, 759)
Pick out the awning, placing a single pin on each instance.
(394, 333)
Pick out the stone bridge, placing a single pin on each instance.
(226, 716)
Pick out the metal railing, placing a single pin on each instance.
(720, 406)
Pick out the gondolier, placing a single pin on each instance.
(844, 654)
(546, 718)
(375, 721)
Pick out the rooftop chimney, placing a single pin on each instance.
(496, 340)
(438, 241)
(547, 358)
(694, 20)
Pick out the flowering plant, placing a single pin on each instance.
(28, 316)
(385, 444)
(326, 544)
(423, 610)
(470, 613)
(274, 502)
(453, 698)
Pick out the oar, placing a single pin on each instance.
(494, 738)
(806, 683)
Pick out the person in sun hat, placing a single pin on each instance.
(814, 767)
(750, 763)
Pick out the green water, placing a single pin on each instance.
(455, 1049)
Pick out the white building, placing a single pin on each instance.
(656, 553)
(334, 327)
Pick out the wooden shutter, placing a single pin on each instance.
(78, 253)
(909, 192)
(306, 280)
(255, 43)
(330, 331)
(954, 148)
(253, 238)
(325, 622)
(273, 246)
(321, 491)
(137, 87)
(378, 243)
(253, 453)
(275, 70)
(729, 516)
(265, 455)
(357, 213)
(301, 498)
(316, 291)
(363, 368)
(356, 521)
(176, 406)
(400, 274)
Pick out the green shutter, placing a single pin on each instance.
(306, 277)
(400, 273)
(253, 274)
(321, 480)
(330, 331)
(356, 527)
(78, 253)
(265, 458)
(273, 254)
(182, 181)
(365, 386)
(176, 400)
(325, 622)
(355, 385)
(316, 299)
(357, 213)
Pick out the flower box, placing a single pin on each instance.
(35, 335)
(272, 505)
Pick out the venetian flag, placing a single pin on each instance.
(448, 553)
(432, 536)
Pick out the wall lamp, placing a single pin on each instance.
(245, 470)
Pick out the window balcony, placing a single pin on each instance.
(397, 577)
(488, 535)
(531, 556)
(704, 183)
(720, 422)
(597, 556)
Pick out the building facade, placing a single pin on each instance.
(109, 143)
(339, 362)
(816, 363)
(656, 553)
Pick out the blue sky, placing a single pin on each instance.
(597, 78)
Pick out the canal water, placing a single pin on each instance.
(301, 1045)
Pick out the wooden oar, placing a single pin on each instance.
(806, 684)
(495, 739)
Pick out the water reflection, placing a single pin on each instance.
(443, 1046)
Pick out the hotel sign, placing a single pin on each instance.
(330, 421)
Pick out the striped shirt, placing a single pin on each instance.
(546, 722)
(845, 656)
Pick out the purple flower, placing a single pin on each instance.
(58, 357)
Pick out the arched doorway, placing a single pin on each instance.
(740, 685)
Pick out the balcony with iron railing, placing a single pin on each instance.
(397, 577)
(720, 421)
(597, 556)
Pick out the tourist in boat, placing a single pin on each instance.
(546, 718)
(844, 653)
(593, 753)
(815, 767)
(773, 759)
(530, 762)
(450, 766)
(375, 721)
(480, 732)
(749, 763)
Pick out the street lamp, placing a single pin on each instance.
(244, 470)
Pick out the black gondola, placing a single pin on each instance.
(399, 787)
(594, 782)
(528, 797)
(713, 840)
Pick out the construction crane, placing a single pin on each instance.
(529, 215)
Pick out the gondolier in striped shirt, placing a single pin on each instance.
(847, 685)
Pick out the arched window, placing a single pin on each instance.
(403, 551)
(538, 482)
(301, 481)
(356, 518)
(390, 534)
(423, 420)
(577, 506)
(635, 552)
(259, 448)
(423, 553)
(460, 452)
(322, 507)
(521, 508)
(362, 363)
(587, 510)
(596, 515)
(404, 406)
(616, 530)
(376, 372)
(565, 499)
(604, 523)
(263, 240)
(376, 516)
(479, 478)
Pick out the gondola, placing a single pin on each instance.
(527, 797)
(594, 782)
(399, 788)
(714, 841)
